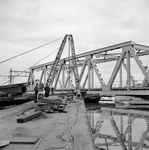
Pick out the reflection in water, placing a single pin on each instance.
(113, 130)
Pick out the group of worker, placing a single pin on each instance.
(48, 90)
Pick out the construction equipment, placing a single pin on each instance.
(74, 62)
(51, 104)
(53, 70)
(55, 64)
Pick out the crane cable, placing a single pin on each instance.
(31, 66)
(30, 50)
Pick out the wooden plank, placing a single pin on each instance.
(4, 143)
(28, 117)
(23, 140)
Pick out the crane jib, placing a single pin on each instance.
(53, 71)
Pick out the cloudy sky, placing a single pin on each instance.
(26, 24)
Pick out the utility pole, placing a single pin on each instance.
(10, 76)
(14, 74)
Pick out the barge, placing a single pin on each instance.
(46, 130)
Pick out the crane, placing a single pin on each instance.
(53, 70)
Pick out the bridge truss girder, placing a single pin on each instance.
(92, 60)
(127, 53)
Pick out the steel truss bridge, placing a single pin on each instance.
(111, 70)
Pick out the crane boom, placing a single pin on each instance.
(52, 73)
(74, 62)
(57, 59)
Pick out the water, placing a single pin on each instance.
(139, 124)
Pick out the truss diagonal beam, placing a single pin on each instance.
(85, 81)
(57, 59)
(146, 76)
(139, 63)
(42, 73)
(97, 72)
(83, 68)
(131, 77)
(74, 62)
(58, 75)
(115, 71)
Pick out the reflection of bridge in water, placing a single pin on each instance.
(120, 69)
(115, 129)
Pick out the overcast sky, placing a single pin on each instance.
(26, 24)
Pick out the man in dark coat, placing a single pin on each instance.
(36, 92)
(47, 90)
(52, 90)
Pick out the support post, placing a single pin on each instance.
(10, 76)
(89, 74)
(63, 77)
(92, 77)
(128, 71)
(120, 75)
(69, 46)
(45, 74)
(31, 79)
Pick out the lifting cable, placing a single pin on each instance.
(31, 66)
(30, 50)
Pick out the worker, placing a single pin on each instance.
(47, 90)
(52, 90)
(36, 92)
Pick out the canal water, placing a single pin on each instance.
(106, 129)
